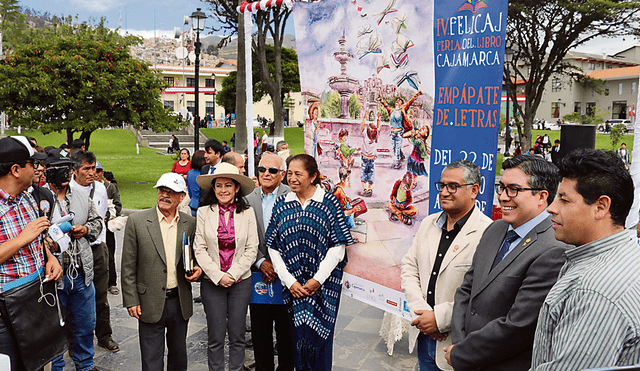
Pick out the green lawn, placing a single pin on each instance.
(116, 150)
(293, 136)
(137, 173)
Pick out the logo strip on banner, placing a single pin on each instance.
(469, 39)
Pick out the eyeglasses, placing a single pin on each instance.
(512, 191)
(451, 187)
(272, 170)
(166, 190)
(33, 163)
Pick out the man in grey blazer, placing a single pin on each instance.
(515, 265)
(155, 288)
(271, 171)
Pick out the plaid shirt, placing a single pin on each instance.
(15, 214)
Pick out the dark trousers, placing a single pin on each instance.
(263, 317)
(152, 339)
(100, 281)
(226, 310)
(9, 347)
(111, 245)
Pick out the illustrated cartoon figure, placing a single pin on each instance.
(401, 201)
(401, 125)
(314, 113)
(420, 154)
(344, 152)
(345, 176)
(369, 142)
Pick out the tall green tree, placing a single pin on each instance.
(290, 76)
(78, 78)
(12, 23)
(541, 32)
(271, 24)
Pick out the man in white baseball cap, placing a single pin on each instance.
(155, 287)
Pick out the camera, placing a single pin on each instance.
(58, 175)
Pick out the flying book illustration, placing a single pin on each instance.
(364, 30)
(410, 77)
(379, 16)
(381, 63)
(398, 22)
(373, 44)
(473, 5)
(399, 56)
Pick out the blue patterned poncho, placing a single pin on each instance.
(303, 237)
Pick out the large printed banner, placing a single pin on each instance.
(372, 88)
(469, 60)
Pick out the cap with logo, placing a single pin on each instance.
(58, 157)
(172, 181)
(99, 166)
(18, 149)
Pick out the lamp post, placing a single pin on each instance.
(197, 24)
(508, 57)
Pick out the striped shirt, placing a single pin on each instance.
(15, 214)
(591, 316)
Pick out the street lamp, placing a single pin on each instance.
(197, 23)
(508, 57)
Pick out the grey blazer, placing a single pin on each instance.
(144, 265)
(254, 199)
(495, 311)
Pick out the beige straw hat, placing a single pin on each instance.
(226, 170)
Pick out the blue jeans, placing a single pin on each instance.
(427, 353)
(396, 143)
(366, 175)
(81, 300)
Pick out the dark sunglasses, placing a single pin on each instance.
(272, 170)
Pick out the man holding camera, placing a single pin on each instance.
(21, 244)
(75, 256)
(84, 171)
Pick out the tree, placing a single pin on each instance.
(291, 78)
(226, 97)
(79, 78)
(228, 22)
(541, 32)
(616, 135)
(270, 23)
(12, 22)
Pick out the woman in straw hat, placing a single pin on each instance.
(225, 246)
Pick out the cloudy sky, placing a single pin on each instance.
(141, 17)
(135, 16)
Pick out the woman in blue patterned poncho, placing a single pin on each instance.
(306, 239)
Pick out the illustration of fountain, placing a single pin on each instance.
(343, 84)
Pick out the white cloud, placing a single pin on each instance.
(95, 6)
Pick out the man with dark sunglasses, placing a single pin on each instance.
(271, 170)
(515, 265)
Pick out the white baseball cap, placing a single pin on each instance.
(172, 181)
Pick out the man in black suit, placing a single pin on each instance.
(212, 155)
(271, 171)
(515, 265)
(555, 152)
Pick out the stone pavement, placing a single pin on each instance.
(357, 344)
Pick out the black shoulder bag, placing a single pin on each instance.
(31, 312)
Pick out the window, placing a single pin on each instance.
(591, 108)
(556, 85)
(210, 83)
(634, 87)
(169, 104)
(191, 107)
(620, 88)
(169, 80)
(209, 108)
(592, 66)
(555, 110)
(191, 81)
(577, 107)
